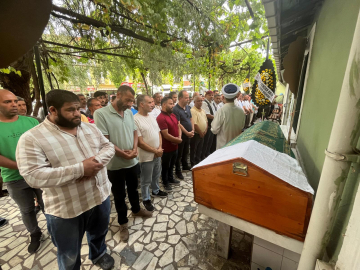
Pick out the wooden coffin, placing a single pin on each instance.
(249, 180)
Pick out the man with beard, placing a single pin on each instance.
(116, 122)
(171, 137)
(12, 126)
(67, 158)
(22, 109)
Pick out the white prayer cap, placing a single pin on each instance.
(230, 90)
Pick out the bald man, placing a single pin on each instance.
(12, 126)
(192, 104)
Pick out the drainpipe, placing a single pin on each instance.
(342, 141)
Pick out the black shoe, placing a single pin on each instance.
(106, 262)
(186, 168)
(148, 205)
(180, 176)
(35, 242)
(175, 182)
(160, 194)
(3, 222)
(168, 188)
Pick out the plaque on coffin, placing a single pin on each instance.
(256, 183)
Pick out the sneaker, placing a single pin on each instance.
(34, 242)
(180, 176)
(143, 213)
(160, 194)
(168, 188)
(148, 205)
(175, 182)
(106, 262)
(124, 232)
(186, 168)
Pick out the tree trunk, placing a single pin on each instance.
(146, 86)
(36, 89)
(20, 85)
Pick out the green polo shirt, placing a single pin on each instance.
(9, 137)
(121, 132)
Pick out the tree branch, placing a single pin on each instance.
(250, 9)
(244, 42)
(90, 21)
(88, 50)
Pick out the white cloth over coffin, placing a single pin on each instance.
(278, 164)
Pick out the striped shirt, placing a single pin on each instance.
(51, 159)
(148, 129)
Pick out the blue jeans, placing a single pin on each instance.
(67, 235)
(150, 174)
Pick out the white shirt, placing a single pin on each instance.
(238, 103)
(205, 107)
(155, 112)
(220, 105)
(148, 128)
(191, 104)
(227, 124)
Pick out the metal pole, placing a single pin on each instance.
(267, 50)
(40, 78)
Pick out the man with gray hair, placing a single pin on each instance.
(150, 151)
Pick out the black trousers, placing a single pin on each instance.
(208, 140)
(196, 147)
(213, 146)
(167, 166)
(183, 153)
(118, 179)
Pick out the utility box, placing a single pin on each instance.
(256, 183)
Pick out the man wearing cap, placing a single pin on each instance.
(230, 120)
(210, 109)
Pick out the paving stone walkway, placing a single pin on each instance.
(176, 237)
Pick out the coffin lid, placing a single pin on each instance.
(278, 164)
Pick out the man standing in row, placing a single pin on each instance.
(230, 120)
(218, 102)
(183, 114)
(66, 159)
(210, 110)
(12, 126)
(93, 104)
(116, 122)
(174, 96)
(101, 96)
(83, 104)
(171, 138)
(201, 125)
(150, 151)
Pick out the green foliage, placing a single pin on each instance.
(163, 39)
(9, 70)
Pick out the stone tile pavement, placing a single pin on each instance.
(176, 237)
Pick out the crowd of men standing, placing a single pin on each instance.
(85, 149)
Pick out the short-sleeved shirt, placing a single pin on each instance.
(148, 129)
(9, 137)
(121, 132)
(199, 118)
(169, 122)
(184, 116)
